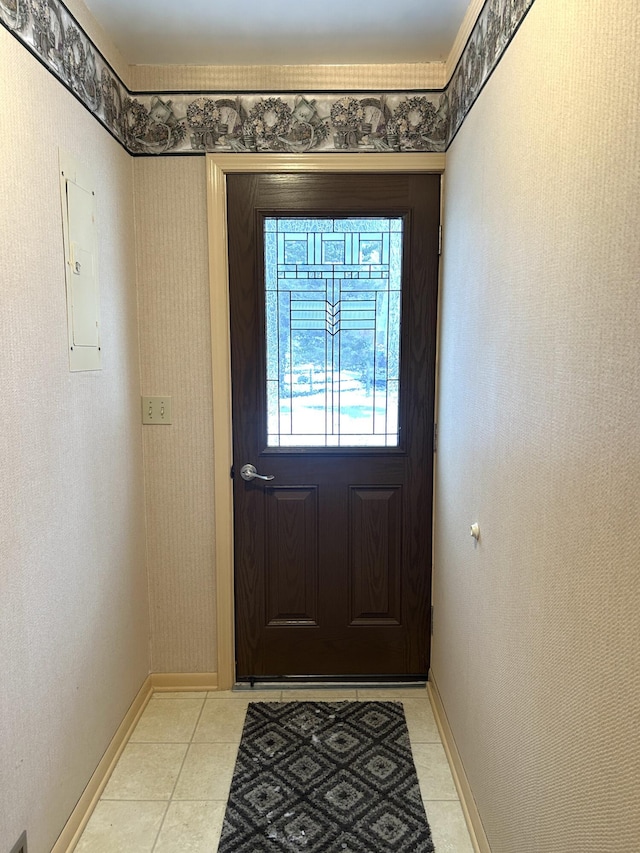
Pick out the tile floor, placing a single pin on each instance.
(168, 791)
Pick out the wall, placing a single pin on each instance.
(73, 596)
(175, 335)
(537, 634)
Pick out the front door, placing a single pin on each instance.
(333, 297)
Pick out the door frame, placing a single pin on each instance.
(218, 166)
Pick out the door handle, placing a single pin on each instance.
(248, 472)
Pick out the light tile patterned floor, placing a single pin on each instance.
(168, 791)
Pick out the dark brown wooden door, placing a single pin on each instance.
(333, 555)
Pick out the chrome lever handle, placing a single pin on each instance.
(248, 472)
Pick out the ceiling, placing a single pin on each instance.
(280, 32)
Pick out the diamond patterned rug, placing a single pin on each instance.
(325, 777)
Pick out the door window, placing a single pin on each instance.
(332, 305)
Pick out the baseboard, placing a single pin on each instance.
(471, 813)
(163, 682)
(74, 827)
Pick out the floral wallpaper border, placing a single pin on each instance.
(195, 123)
(497, 24)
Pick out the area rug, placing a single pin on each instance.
(325, 777)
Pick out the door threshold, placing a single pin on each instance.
(280, 684)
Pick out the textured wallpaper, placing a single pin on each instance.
(185, 78)
(537, 633)
(175, 341)
(74, 621)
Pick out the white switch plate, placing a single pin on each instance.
(156, 410)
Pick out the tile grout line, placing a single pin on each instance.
(184, 758)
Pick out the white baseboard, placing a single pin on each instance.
(469, 807)
(74, 827)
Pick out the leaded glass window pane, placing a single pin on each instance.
(333, 295)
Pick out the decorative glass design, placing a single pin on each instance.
(333, 294)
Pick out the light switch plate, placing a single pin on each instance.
(156, 410)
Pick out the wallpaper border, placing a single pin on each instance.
(495, 28)
(207, 121)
